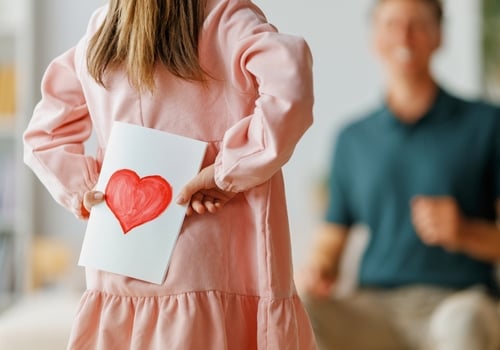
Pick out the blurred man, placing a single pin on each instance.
(423, 173)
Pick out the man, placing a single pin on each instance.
(423, 173)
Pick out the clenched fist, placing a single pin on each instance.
(438, 221)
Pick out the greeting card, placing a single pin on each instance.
(133, 232)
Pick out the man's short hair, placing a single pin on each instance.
(437, 6)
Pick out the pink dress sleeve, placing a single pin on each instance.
(54, 139)
(279, 67)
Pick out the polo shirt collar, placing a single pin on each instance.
(440, 108)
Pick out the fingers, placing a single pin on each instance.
(201, 204)
(209, 204)
(189, 190)
(437, 220)
(197, 203)
(423, 219)
(203, 181)
(92, 198)
(422, 213)
(312, 282)
(185, 194)
(202, 194)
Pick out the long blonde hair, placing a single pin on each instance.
(139, 34)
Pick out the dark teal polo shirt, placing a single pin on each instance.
(380, 163)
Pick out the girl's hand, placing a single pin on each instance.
(202, 194)
(92, 198)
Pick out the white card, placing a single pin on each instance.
(133, 232)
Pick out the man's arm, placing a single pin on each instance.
(318, 276)
(438, 221)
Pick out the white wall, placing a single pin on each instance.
(59, 24)
(347, 82)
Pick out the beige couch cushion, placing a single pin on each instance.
(40, 321)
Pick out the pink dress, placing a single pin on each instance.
(229, 284)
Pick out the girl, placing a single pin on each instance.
(211, 70)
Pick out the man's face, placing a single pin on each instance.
(406, 34)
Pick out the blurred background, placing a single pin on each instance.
(40, 282)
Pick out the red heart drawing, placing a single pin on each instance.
(134, 200)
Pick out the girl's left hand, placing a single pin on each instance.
(92, 198)
(203, 195)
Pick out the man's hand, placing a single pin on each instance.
(319, 275)
(203, 195)
(316, 279)
(438, 221)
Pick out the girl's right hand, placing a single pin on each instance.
(92, 198)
